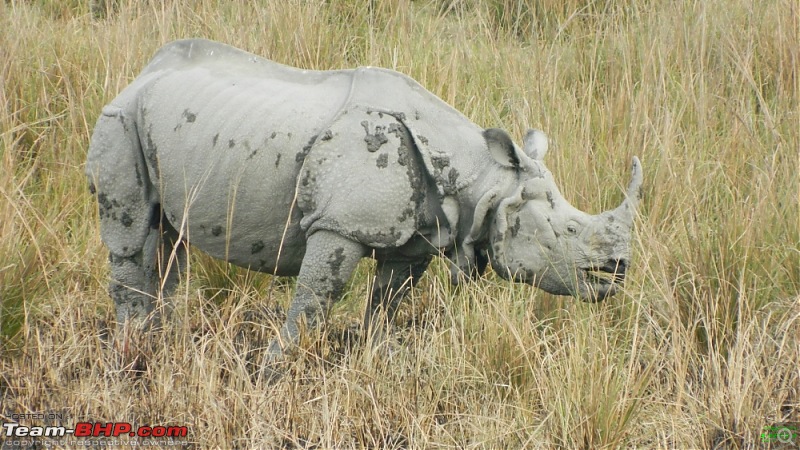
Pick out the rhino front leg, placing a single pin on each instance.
(392, 281)
(329, 261)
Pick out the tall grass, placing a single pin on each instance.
(700, 351)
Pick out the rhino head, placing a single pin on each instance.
(537, 237)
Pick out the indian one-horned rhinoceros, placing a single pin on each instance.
(303, 173)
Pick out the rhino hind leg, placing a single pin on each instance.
(129, 221)
(392, 281)
(132, 288)
(328, 263)
(171, 256)
(141, 279)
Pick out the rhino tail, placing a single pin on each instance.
(117, 175)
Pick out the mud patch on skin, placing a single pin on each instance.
(335, 261)
(402, 156)
(308, 179)
(214, 140)
(440, 162)
(189, 116)
(407, 214)
(376, 140)
(326, 136)
(310, 144)
(256, 247)
(549, 195)
(301, 156)
(396, 114)
(445, 176)
(497, 249)
(122, 121)
(151, 152)
(105, 205)
(112, 209)
(278, 160)
(450, 188)
(406, 155)
(125, 219)
(216, 231)
(231, 143)
(515, 228)
(305, 195)
(383, 161)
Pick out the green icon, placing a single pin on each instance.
(785, 434)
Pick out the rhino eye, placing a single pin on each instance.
(572, 229)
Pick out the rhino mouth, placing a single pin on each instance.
(612, 272)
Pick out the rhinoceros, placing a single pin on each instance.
(303, 173)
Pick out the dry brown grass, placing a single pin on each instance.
(702, 350)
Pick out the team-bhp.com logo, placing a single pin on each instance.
(89, 429)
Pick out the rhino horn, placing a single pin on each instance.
(627, 209)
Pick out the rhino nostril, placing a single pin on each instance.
(618, 265)
(615, 267)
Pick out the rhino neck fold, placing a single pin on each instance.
(477, 203)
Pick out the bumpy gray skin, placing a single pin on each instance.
(303, 173)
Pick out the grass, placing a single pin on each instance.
(700, 351)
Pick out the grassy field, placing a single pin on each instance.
(702, 350)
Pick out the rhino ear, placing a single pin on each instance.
(535, 144)
(502, 147)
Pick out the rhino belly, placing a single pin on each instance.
(243, 216)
